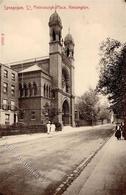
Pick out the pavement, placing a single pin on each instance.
(105, 174)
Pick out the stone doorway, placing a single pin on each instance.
(65, 113)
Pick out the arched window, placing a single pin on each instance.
(30, 89)
(53, 94)
(35, 91)
(68, 52)
(47, 91)
(44, 89)
(54, 35)
(25, 90)
(59, 36)
(65, 80)
(20, 90)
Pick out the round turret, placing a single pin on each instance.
(55, 20)
(68, 39)
(55, 26)
(69, 45)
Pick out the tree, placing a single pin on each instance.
(87, 105)
(104, 113)
(112, 79)
(50, 112)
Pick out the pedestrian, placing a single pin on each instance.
(118, 132)
(124, 134)
(53, 127)
(123, 129)
(48, 127)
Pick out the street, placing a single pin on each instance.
(38, 165)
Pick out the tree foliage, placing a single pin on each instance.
(87, 106)
(91, 108)
(104, 112)
(112, 79)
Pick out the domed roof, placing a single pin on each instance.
(68, 39)
(55, 20)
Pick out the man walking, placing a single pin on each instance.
(48, 127)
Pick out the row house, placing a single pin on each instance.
(8, 95)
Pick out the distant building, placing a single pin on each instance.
(46, 85)
(8, 95)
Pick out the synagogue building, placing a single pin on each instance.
(42, 89)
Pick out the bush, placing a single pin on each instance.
(58, 126)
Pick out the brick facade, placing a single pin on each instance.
(8, 95)
(46, 85)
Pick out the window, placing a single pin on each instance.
(49, 92)
(21, 114)
(12, 105)
(13, 76)
(30, 89)
(25, 90)
(54, 35)
(65, 80)
(32, 115)
(12, 90)
(5, 73)
(44, 90)
(53, 94)
(76, 114)
(5, 104)
(5, 87)
(34, 89)
(7, 118)
(20, 90)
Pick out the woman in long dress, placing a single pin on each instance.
(118, 133)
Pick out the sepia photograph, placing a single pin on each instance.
(62, 97)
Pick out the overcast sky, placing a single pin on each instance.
(26, 32)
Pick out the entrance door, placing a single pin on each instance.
(65, 113)
(14, 118)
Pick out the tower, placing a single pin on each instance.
(69, 52)
(61, 71)
(55, 52)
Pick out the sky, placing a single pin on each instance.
(26, 31)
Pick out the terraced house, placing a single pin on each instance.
(8, 95)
